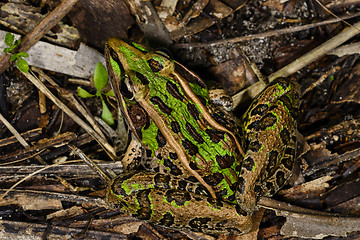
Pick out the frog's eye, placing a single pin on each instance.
(159, 61)
(155, 65)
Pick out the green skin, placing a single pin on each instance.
(175, 194)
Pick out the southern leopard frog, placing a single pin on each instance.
(194, 173)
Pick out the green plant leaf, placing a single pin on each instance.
(23, 54)
(13, 57)
(9, 39)
(6, 50)
(110, 93)
(106, 114)
(100, 77)
(22, 65)
(83, 93)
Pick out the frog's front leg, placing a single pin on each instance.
(168, 201)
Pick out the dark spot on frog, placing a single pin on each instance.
(162, 106)
(194, 112)
(194, 133)
(253, 125)
(155, 65)
(139, 118)
(174, 170)
(173, 155)
(255, 146)
(173, 89)
(240, 211)
(267, 121)
(248, 163)
(273, 158)
(198, 199)
(288, 162)
(231, 198)
(199, 223)
(144, 80)
(159, 156)
(260, 110)
(125, 91)
(160, 139)
(258, 188)
(192, 179)
(190, 147)
(167, 219)
(144, 212)
(162, 181)
(215, 135)
(286, 101)
(201, 190)
(290, 151)
(238, 168)
(225, 161)
(193, 165)
(148, 153)
(147, 165)
(156, 169)
(115, 57)
(182, 185)
(280, 178)
(221, 225)
(175, 127)
(285, 136)
(180, 197)
(213, 179)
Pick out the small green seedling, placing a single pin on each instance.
(19, 57)
(100, 81)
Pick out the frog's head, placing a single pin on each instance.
(132, 67)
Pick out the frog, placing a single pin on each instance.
(199, 167)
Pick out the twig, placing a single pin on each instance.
(14, 131)
(39, 31)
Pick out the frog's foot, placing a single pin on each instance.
(151, 196)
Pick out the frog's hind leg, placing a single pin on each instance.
(164, 200)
